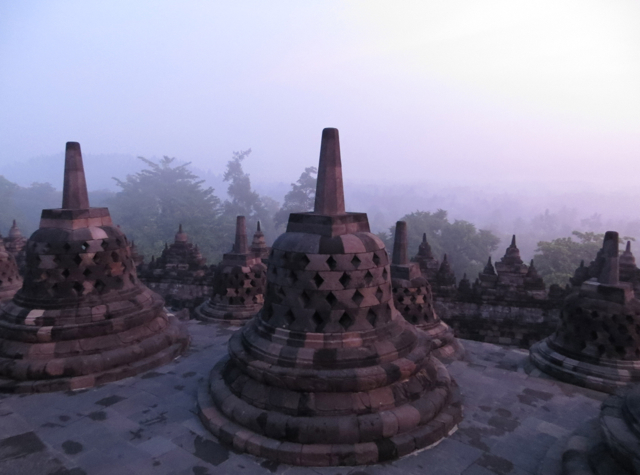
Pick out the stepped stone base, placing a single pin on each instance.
(231, 314)
(606, 376)
(216, 401)
(445, 345)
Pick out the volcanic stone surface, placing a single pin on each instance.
(238, 286)
(329, 373)
(597, 343)
(82, 317)
(413, 299)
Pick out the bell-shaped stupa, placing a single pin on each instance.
(10, 280)
(15, 243)
(413, 299)
(597, 343)
(329, 373)
(82, 317)
(238, 284)
(259, 246)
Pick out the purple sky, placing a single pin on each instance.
(501, 92)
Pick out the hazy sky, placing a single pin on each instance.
(453, 91)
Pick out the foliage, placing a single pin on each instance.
(154, 201)
(467, 248)
(244, 201)
(301, 198)
(557, 260)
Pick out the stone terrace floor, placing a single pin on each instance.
(515, 423)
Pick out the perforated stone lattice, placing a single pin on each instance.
(79, 268)
(328, 293)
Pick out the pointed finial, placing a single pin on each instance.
(531, 263)
(74, 192)
(610, 274)
(400, 244)
(258, 227)
(14, 223)
(329, 190)
(445, 259)
(628, 249)
(489, 261)
(180, 228)
(424, 237)
(513, 241)
(582, 263)
(240, 246)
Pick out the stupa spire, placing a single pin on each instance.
(240, 246)
(400, 244)
(610, 273)
(74, 192)
(329, 190)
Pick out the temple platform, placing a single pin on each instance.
(517, 421)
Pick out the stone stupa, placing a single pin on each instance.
(259, 246)
(82, 317)
(15, 243)
(597, 343)
(238, 284)
(180, 275)
(413, 299)
(329, 372)
(10, 279)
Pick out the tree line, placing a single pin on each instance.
(152, 202)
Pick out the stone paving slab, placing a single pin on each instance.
(515, 422)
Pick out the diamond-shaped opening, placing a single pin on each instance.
(345, 279)
(304, 260)
(96, 258)
(376, 259)
(318, 280)
(317, 319)
(77, 259)
(331, 262)
(305, 299)
(372, 317)
(118, 242)
(368, 277)
(65, 273)
(99, 285)
(355, 262)
(407, 309)
(385, 274)
(357, 297)
(104, 244)
(115, 256)
(289, 317)
(345, 321)
(293, 276)
(87, 272)
(379, 294)
(331, 299)
(85, 246)
(66, 246)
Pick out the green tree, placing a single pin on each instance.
(153, 202)
(244, 201)
(557, 260)
(467, 248)
(301, 198)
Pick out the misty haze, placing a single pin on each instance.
(420, 216)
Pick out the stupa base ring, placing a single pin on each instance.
(162, 357)
(236, 315)
(605, 378)
(445, 345)
(244, 440)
